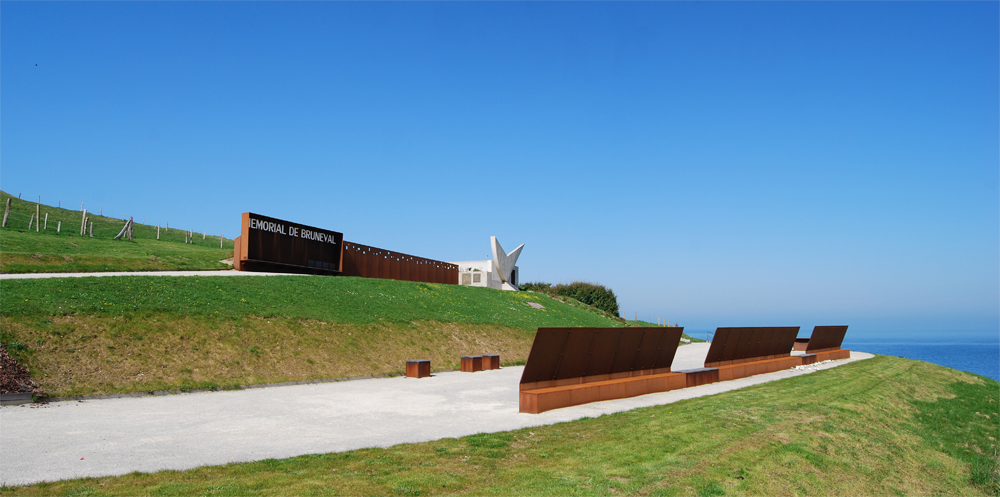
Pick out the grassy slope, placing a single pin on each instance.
(140, 333)
(27, 251)
(885, 426)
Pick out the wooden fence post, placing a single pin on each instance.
(30, 220)
(6, 211)
(203, 233)
(222, 238)
(130, 229)
(83, 221)
(46, 228)
(58, 226)
(38, 210)
(91, 229)
(157, 231)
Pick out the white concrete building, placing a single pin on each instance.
(501, 273)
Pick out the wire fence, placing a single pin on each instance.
(35, 217)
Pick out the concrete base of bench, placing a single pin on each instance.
(539, 400)
(742, 370)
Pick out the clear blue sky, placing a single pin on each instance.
(716, 164)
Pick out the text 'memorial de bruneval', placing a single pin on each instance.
(269, 244)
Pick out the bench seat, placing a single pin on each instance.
(831, 355)
(744, 369)
(537, 400)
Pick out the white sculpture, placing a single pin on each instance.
(503, 263)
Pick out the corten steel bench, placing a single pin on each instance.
(742, 352)
(419, 368)
(824, 345)
(472, 363)
(491, 361)
(572, 366)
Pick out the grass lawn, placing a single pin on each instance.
(885, 426)
(23, 250)
(81, 336)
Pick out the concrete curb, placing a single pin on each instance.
(13, 399)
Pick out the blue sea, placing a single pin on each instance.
(973, 351)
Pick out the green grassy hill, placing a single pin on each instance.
(23, 250)
(139, 333)
(884, 426)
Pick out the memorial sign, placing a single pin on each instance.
(269, 244)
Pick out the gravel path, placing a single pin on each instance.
(74, 439)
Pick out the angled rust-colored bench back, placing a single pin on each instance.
(826, 338)
(825, 344)
(742, 352)
(571, 366)
(562, 356)
(738, 345)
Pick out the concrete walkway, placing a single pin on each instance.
(223, 272)
(74, 439)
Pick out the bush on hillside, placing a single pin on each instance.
(591, 294)
(598, 296)
(537, 287)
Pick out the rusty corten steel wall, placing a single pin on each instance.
(826, 338)
(271, 244)
(570, 353)
(738, 345)
(371, 262)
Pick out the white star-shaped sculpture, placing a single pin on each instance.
(503, 263)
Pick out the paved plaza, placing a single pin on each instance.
(104, 437)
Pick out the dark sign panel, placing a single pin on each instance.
(269, 244)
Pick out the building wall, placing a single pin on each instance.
(480, 273)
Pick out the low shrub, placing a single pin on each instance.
(591, 294)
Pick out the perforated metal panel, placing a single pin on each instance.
(372, 262)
